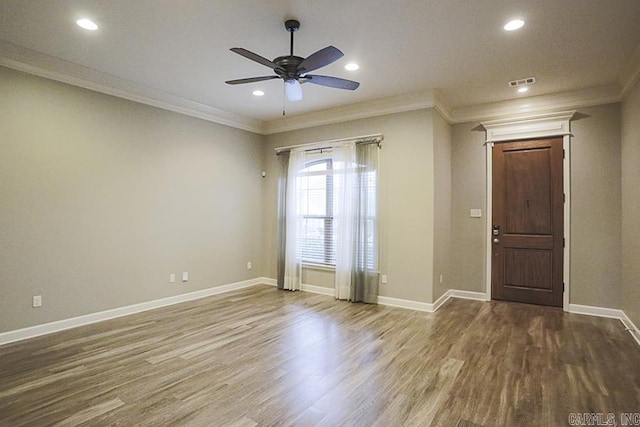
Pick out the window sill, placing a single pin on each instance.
(322, 267)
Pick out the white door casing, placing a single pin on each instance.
(557, 124)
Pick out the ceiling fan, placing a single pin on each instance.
(293, 69)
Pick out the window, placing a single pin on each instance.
(315, 186)
(369, 200)
(327, 215)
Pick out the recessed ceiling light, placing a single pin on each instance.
(352, 66)
(258, 93)
(523, 89)
(87, 24)
(514, 25)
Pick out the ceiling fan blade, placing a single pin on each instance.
(293, 90)
(250, 80)
(334, 82)
(320, 58)
(254, 57)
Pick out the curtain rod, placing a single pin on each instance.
(325, 144)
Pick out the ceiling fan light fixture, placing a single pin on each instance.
(258, 93)
(513, 25)
(87, 24)
(351, 66)
(293, 90)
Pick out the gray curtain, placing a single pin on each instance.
(364, 276)
(283, 162)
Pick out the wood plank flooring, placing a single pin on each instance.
(265, 357)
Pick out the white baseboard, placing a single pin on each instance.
(607, 312)
(456, 293)
(476, 296)
(74, 322)
(431, 307)
(270, 282)
(392, 302)
(398, 302)
(317, 290)
(595, 311)
(305, 288)
(404, 303)
(61, 325)
(631, 327)
(440, 301)
(481, 296)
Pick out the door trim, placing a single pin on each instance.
(557, 124)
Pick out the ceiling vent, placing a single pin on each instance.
(522, 82)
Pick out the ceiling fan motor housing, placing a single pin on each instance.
(288, 66)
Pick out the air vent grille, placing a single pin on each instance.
(522, 82)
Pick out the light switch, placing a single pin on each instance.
(475, 213)
(185, 276)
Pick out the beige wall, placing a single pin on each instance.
(596, 207)
(595, 203)
(442, 206)
(102, 198)
(468, 189)
(406, 198)
(630, 298)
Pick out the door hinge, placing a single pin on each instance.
(564, 198)
(562, 286)
(563, 153)
(563, 242)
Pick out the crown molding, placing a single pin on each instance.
(42, 65)
(537, 104)
(360, 110)
(39, 64)
(631, 74)
(49, 67)
(441, 106)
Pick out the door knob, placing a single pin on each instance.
(496, 240)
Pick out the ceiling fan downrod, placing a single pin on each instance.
(292, 26)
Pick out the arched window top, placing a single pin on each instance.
(321, 165)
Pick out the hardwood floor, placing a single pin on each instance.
(265, 357)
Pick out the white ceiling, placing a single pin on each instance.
(178, 50)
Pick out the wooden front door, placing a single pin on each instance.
(528, 222)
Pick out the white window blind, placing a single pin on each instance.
(315, 184)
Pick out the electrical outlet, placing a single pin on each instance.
(249, 266)
(383, 279)
(185, 276)
(172, 278)
(37, 301)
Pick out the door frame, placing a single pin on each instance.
(550, 125)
